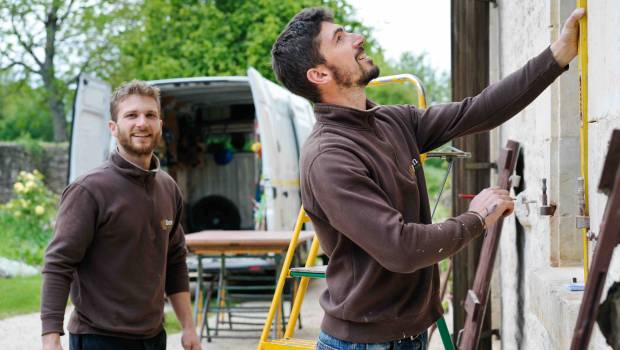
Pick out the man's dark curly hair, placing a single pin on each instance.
(297, 49)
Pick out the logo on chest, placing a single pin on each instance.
(411, 170)
(166, 224)
(412, 167)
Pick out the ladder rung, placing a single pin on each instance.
(288, 344)
(312, 272)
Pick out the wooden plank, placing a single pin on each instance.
(244, 238)
(609, 238)
(477, 296)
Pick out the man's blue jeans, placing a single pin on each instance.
(327, 342)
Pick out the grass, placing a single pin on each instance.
(171, 324)
(22, 295)
(19, 295)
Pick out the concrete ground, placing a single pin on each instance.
(23, 332)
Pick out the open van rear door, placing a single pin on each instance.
(90, 137)
(303, 118)
(284, 123)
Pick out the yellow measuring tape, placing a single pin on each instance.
(582, 62)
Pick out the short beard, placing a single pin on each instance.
(125, 141)
(369, 75)
(345, 80)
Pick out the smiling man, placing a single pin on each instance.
(118, 245)
(364, 189)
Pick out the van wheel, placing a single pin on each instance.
(214, 213)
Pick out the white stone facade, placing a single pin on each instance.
(541, 313)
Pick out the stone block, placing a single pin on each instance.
(52, 163)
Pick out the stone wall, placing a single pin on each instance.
(540, 255)
(52, 161)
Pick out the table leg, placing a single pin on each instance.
(220, 292)
(198, 293)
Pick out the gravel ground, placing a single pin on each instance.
(23, 332)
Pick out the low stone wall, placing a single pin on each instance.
(52, 161)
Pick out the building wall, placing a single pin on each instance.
(51, 162)
(539, 259)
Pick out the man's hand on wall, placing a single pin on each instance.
(492, 203)
(565, 48)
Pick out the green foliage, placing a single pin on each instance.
(46, 44)
(446, 305)
(33, 147)
(20, 295)
(435, 172)
(22, 112)
(26, 220)
(171, 323)
(208, 38)
(160, 39)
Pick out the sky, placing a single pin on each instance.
(409, 25)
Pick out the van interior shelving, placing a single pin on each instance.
(209, 128)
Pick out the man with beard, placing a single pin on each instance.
(364, 189)
(118, 245)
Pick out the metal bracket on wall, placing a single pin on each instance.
(546, 209)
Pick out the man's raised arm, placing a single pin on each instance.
(500, 101)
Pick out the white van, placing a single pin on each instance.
(209, 125)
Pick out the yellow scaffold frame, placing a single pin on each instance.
(401, 79)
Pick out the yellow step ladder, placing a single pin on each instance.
(305, 273)
(287, 342)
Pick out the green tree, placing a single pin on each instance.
(45, 44)
(205, 38)
(168, 38)
(50, 42)
(21, 114)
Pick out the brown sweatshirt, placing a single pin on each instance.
(364, 189)
(118, 243)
